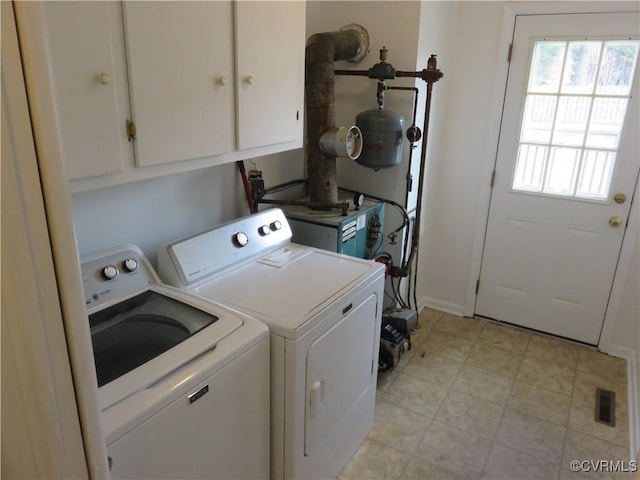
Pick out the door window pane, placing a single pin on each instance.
(606, 124)
(597, 167)
(618, 64)
(538, 118)
(546, 67)
(581, 67)
(562, 171)
(574, 112)
(530, 167)
(571, 120)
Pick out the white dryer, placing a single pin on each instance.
(323, 311)
(183, 382)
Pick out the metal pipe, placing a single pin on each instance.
(322, 50)
(285, 185)
(342, 206)
(412, 140)
(430, 75)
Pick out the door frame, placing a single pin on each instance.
(632, 234)
(53, 189)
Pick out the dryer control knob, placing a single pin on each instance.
(110, 272)
(241, 239)
(130, 264)
(276, 225)
(264, 230)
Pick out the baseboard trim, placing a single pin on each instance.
(442, 306)
(633, 388)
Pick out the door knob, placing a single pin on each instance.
(619, 198)
(615, 221)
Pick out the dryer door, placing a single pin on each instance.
(340, 366)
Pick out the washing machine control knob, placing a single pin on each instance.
(264, 230)
(130, 264)
(110, 272)
(276, 225)
(241, 239)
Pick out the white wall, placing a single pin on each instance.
(625, 341)
(454, 175)
(152, 212)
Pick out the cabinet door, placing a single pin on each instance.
(270, 42)
(181, 78)
(88, 75)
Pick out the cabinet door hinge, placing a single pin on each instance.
(477, 286)
(493, 178)
(131, 130)
(509, 53)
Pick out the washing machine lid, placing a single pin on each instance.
(290, 286)
(139, 329)
(141, 340)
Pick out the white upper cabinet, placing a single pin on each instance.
(270, 44)
(181, 75)
(88, 77)
(203, 82)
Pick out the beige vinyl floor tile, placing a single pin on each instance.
(508, 338)
(420, 469)
(530, 435)
(544, 374)
(483, 384)
(433, 368)
(505, 463)
(454, 450)
(476, 400)
(540, 403)
(586, 383)
(604, 366)
(416, 395)
(553, 350)
(374, 461)
(495, 359)
(398, 427)
(582, 419)
(471, 414)
(445, 344)
(467, 328)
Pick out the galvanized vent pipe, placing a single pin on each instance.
(322, 50)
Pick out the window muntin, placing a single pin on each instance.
(576, 102)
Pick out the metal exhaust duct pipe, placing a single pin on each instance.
(322, 50)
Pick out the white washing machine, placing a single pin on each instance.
(323, 311)
(183, 383)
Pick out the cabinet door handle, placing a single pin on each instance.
(105, 78)
(222, 81)
(248, 80)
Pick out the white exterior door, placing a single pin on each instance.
(566, 169)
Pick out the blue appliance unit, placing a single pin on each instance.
(358, 234)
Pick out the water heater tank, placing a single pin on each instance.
(381, 138)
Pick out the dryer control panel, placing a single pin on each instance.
(114, 275)
(190, 260)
